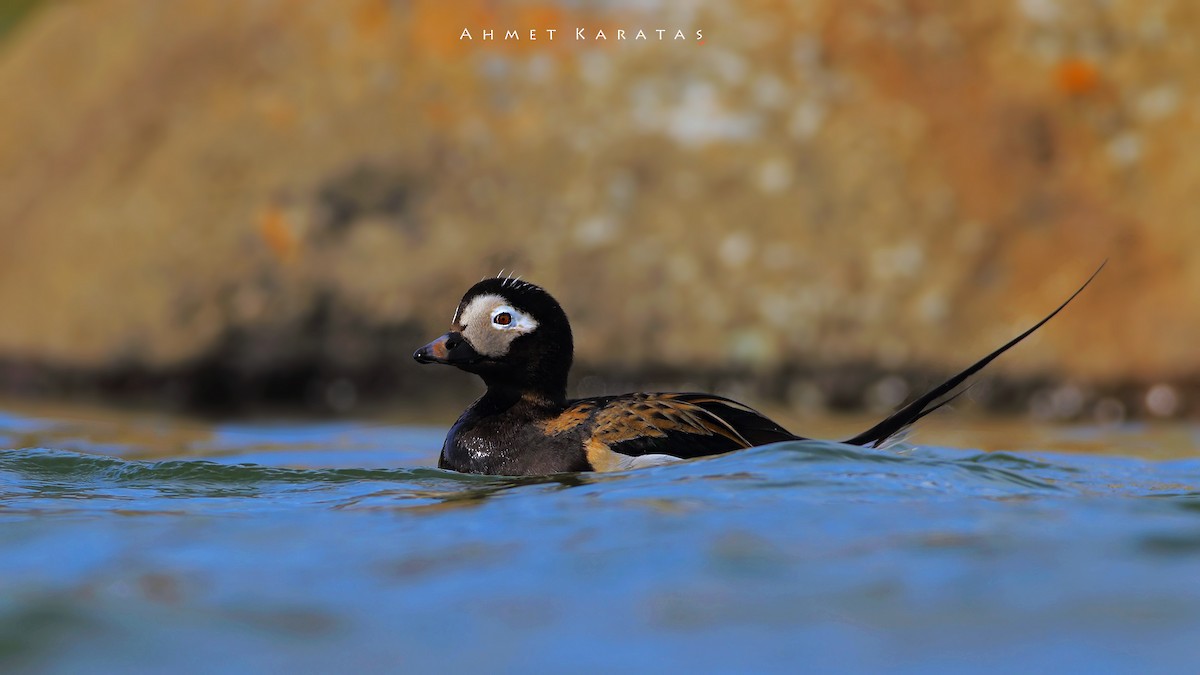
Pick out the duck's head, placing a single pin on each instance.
(511, 333)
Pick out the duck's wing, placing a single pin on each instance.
(640, 429)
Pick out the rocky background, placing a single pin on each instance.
(827, 203)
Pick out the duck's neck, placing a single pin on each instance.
(538, 385)
(504, 396)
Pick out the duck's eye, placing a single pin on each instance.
(502, 319)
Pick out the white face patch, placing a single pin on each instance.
(490, 323)
(522, 323)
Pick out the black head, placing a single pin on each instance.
(512, 334)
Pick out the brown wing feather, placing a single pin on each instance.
(572, 417)
(679, 425)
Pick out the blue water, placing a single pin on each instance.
(303, 547)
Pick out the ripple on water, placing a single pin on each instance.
(913, 559)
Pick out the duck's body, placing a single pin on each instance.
(516, 337)
(507, 436)
(499, 435)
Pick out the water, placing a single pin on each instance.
(305, 547)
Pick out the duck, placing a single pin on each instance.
(516, 337)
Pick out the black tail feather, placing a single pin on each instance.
(928, 402)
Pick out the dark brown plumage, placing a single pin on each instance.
(517, 338)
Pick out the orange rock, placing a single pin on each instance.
(278, 233)
(370, 18)
(1076, 77)
(921, 163)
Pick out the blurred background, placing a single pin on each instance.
(821, 205)
(225, 226)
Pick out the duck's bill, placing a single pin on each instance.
(450, 349)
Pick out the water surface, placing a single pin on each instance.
(143, 545)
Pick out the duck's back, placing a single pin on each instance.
(617, 430)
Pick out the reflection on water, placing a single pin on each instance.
(136, 544)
